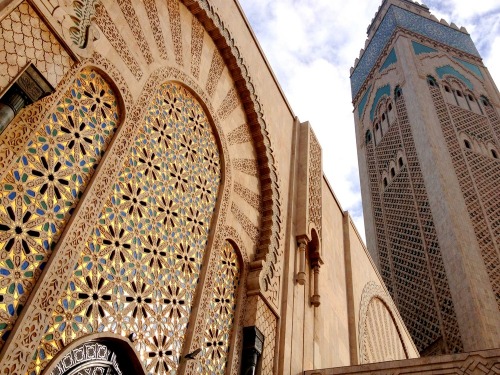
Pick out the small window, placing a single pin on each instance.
(459, 93)
(484, 101)
(399, 92)
(383, 116)
(390, 107)
(393, 172)
(400, 162)
(385, 181)
(368, 136)
(431, 81)
(447, 89)
(471, 98)
(494, 154)
(467, 143)
(376, 126)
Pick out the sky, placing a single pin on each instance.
(311, 46)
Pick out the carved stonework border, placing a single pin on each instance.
(373, 290)
(315, 183)
(269, 244)
(236, 341)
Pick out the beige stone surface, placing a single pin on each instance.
(481, 362)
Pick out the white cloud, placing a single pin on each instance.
(311, 45)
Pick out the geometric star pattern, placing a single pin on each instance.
(44, 185)
(139, 270)
(221, 312)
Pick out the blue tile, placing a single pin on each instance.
(447, 69)
(391, 59)
(420, 48)
(397, 17)
(384, 90)
(363, 101)
(473, 68)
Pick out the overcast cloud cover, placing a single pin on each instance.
(311, 45)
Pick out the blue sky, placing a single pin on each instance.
(311, 45)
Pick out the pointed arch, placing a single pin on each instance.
(140, 269)
(42, 188)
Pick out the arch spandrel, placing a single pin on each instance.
(247, 151)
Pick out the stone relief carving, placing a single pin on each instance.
(24, 38)
(197, 33)
(239, 135)
(175, 29)
(253, 199)
(112, 33)
(270, 246)
(315, 182)
(131, 17)
(229, 104)
(154, 21)
(250, 229)
(216, 68)
(82, 16)
(247, 166)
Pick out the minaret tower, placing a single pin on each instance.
(427, 116)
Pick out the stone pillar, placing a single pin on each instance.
(315, 299)
(301, 273)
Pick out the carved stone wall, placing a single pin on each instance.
(477, 174)
(309, 190)
(409, 254)
(24, 38)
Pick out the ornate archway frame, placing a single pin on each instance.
(33, 320)
(269, 245)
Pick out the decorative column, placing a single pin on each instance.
(315, 298)
(253, 344)
(301, 273)
(29, 87)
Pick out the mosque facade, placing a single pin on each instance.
(163, 210)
